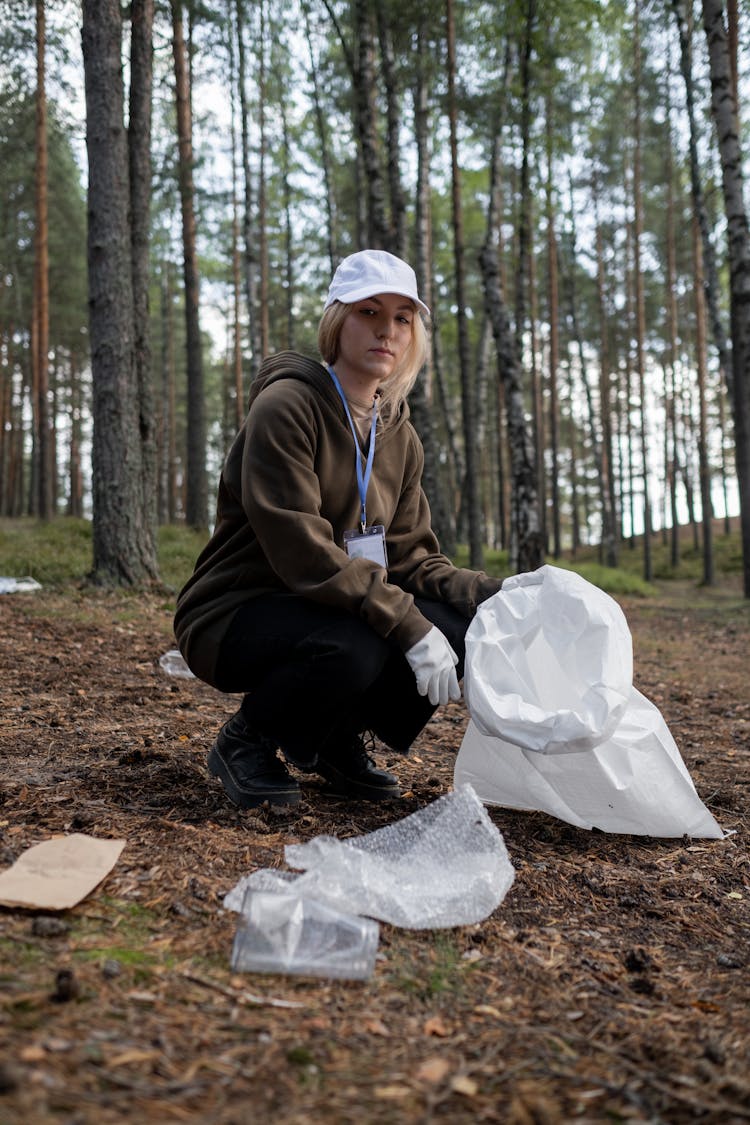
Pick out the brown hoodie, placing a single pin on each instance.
(287, 494)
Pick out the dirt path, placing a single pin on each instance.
(612, 984)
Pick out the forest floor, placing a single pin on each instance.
(612, 984)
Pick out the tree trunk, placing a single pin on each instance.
(536, 389)
(524, 217)
(42, 501)
(120, 538)
(248, 224)
(701, 363)
(575, 519)
(75, 471)
(325, 157)
(265, 342)
(684, 20)
(640, 302)
(526, 547)
(378, 233)
(393, 116)
(421, 398)
(139, 156)
(724, 111)
(723, 447)
(167, 443)
(6, 417)
(237, 389)
(196, 494)
(670, 428)
(611, 548)
(554, 343)
(468, 382)
(608, 549)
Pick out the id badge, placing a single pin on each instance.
(367, 544)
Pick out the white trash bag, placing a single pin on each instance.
(556, 724)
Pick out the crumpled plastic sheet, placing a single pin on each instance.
(556, 724)
(444, 865)
(284, 933)
(18, 585)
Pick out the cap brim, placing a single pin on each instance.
(366, 291)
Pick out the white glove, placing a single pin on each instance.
(433, 662)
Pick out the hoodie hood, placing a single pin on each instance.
(292, 365)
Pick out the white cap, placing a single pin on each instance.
(369, 272)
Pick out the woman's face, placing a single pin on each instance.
(373, 341)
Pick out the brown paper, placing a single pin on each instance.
(58, 873)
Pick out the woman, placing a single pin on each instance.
(322, 594)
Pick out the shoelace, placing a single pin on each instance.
(365, 747)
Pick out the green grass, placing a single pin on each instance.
(58, 552)
(626, 579)
(613, 580)
(179, 547)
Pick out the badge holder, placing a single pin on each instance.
(367, 544)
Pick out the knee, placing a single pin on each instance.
(354, 655)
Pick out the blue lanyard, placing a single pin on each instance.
(363, 476)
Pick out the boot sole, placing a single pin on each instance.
(246, 798)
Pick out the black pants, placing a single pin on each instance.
(313, 675)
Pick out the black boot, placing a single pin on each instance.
(249, 768)
(351, 772)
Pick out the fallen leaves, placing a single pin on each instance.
(532, 1013)
(436, 1025)
(392, 1092)
(433, 1070)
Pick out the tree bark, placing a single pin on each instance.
(167, 443)
(670, 392)
(468, 382)
(325, 157)
(724, 111)
(378, 231)
(120, 540)
(196, 492)
(640, 303)
(524, 217)
(608, 548)
(421, 398)
(554, 348)
(42, 500)
(526, 546)
(75, 469)
(139, 157)
(248, 223)
(611, 548)
(683, 19)
(397, 239)
(265, 333)
(701, 364)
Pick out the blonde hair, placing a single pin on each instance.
(396, 388)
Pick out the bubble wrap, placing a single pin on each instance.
(445, 865)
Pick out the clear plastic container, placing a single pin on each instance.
(173, 663)
(286, 933)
